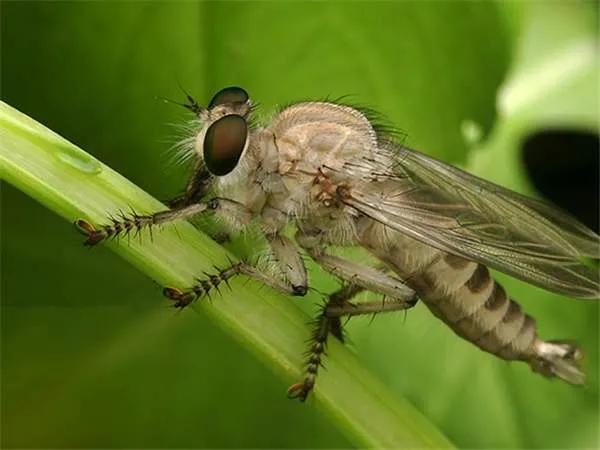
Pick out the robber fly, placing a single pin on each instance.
(343, 181)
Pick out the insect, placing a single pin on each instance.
(341, 180)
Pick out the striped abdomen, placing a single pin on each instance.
(464, 295)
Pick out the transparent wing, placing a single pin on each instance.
(454, 211)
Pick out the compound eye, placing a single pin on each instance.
(224, 142)
(232, 94)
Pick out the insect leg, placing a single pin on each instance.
(183, 298)
(197, 187)
(285, 252)
(289, 259)
(127, 223)
(338, 305)
(372, 307)
(323, 325)
(338, 299)
(367, 277)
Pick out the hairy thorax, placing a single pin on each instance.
(314, 142)
(293, 170)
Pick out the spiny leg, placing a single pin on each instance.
(359, 277)
(328, 321)
(341, 298)
(125, 224)
(203, 286)
(366, 308)
(370, 278)
(181, 298)
(182, 207)
(197, 187)
(314, 358)
(136, 222)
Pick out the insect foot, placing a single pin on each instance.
(203, 286)
(180, 298)
(93, 235)
(313, 362)
(314, 359)
(123, 226)
(300, 390)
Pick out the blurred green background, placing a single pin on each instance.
(92, 356)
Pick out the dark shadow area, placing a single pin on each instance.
(564, 166)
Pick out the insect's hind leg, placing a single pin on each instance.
(369, 278)
(338, 305)
(323, 325)
(339, 299)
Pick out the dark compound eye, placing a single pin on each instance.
(232, 94)
(224, 142)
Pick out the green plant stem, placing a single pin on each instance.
(73, 184)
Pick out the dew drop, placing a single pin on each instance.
(62, 149)
(78, 160)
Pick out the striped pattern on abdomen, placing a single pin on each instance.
(465, 296)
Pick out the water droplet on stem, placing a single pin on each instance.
(79, 160)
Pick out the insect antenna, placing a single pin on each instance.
(193, 105)
(168, 100)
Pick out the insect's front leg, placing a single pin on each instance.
(125, 224)
(196, 188)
